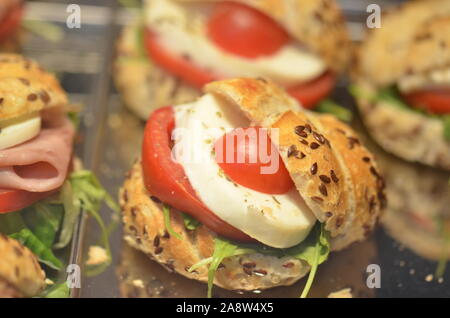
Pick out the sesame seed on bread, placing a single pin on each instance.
(313, 167)
(145, 230)
(366, 186)
(25, 88)
(19, 269)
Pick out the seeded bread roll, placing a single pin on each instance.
(414, 42)
(419, 200)
(331, 172)
(25, 88)
(262, 102)
(145, 230)
(309, 158)
(20, 273)
(366, 187)
(414, 38)
(143, 85)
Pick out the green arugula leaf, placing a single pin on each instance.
(44, 221)
(317, 240)
(75, 118)
(446, 120)
(357, 92)
(189, 222)
(44, 253)
(72, 210)
(314, 250)
(444, 230)
(129, 3)
(388, 94)
(330, 107)
(49, 31)
(140, 41)
(89, 194)
(222, 250)
(392, 96)
(11, 223)
(166, 212)
(57, 291)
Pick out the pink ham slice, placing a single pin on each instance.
(40, 164)
(6, 5)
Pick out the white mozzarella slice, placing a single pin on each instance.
(19, 132)
(184, 34)
(279, 221)
(431, 79)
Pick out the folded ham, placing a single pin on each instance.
(6, 5)
(40, 164)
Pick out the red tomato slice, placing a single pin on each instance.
(436, 101)
(310, 93)
(166, 179)
(243, 153)
(11, 22)
(244, 31)
(178, 66)
(15, 200)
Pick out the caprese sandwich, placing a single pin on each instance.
(11, 12)
(402, 82)
(418, 215)
(245, 189)
(42, 186)
(177, 47)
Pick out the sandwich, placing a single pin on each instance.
(11, 12)
(178, 46)
(402, 82)
(43, 187)
(245, 189)
(418, 214)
